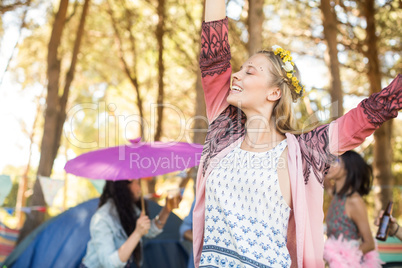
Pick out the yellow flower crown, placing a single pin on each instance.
(288, 67)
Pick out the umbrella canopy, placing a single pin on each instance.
(136, 160)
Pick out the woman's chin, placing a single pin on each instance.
(232, 100)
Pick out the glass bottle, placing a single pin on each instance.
(385, 220)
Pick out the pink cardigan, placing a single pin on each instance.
(309, 154)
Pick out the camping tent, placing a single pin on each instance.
(62, 240)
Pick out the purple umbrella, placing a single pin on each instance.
(136, 160)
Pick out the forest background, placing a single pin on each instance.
(76, 76)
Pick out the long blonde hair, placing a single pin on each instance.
(283, 112)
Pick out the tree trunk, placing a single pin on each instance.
(382, 168)
(255, 20)
(52, 99)
(70, 77)
(56, 109)
(35, 218)
(382, 137)
(160, 32)
(330, 33)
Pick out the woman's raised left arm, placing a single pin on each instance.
(350, 130)
(320, 146)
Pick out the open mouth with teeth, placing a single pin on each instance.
(236, 88)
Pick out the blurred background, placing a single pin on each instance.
(80, 75)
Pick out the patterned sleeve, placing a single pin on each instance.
(215, 66)
(316, 156)
(385, 104)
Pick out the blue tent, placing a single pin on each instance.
(62, 240)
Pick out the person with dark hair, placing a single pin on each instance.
(119, 224)
(350, 242)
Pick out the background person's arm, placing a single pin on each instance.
(143, 225)
(188, 235)
(186, 228)
(397, 230)
(357, 211)
(162, 217)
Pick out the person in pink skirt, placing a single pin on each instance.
(350, 242)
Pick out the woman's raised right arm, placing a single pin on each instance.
(215, 10)
(215, 58)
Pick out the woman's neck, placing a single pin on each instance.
(261, 134)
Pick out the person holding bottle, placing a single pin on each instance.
(259, 185)
(350, 242)
(394, 227)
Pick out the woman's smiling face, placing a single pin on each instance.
(250, 85)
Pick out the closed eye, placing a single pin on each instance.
(248, 70)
